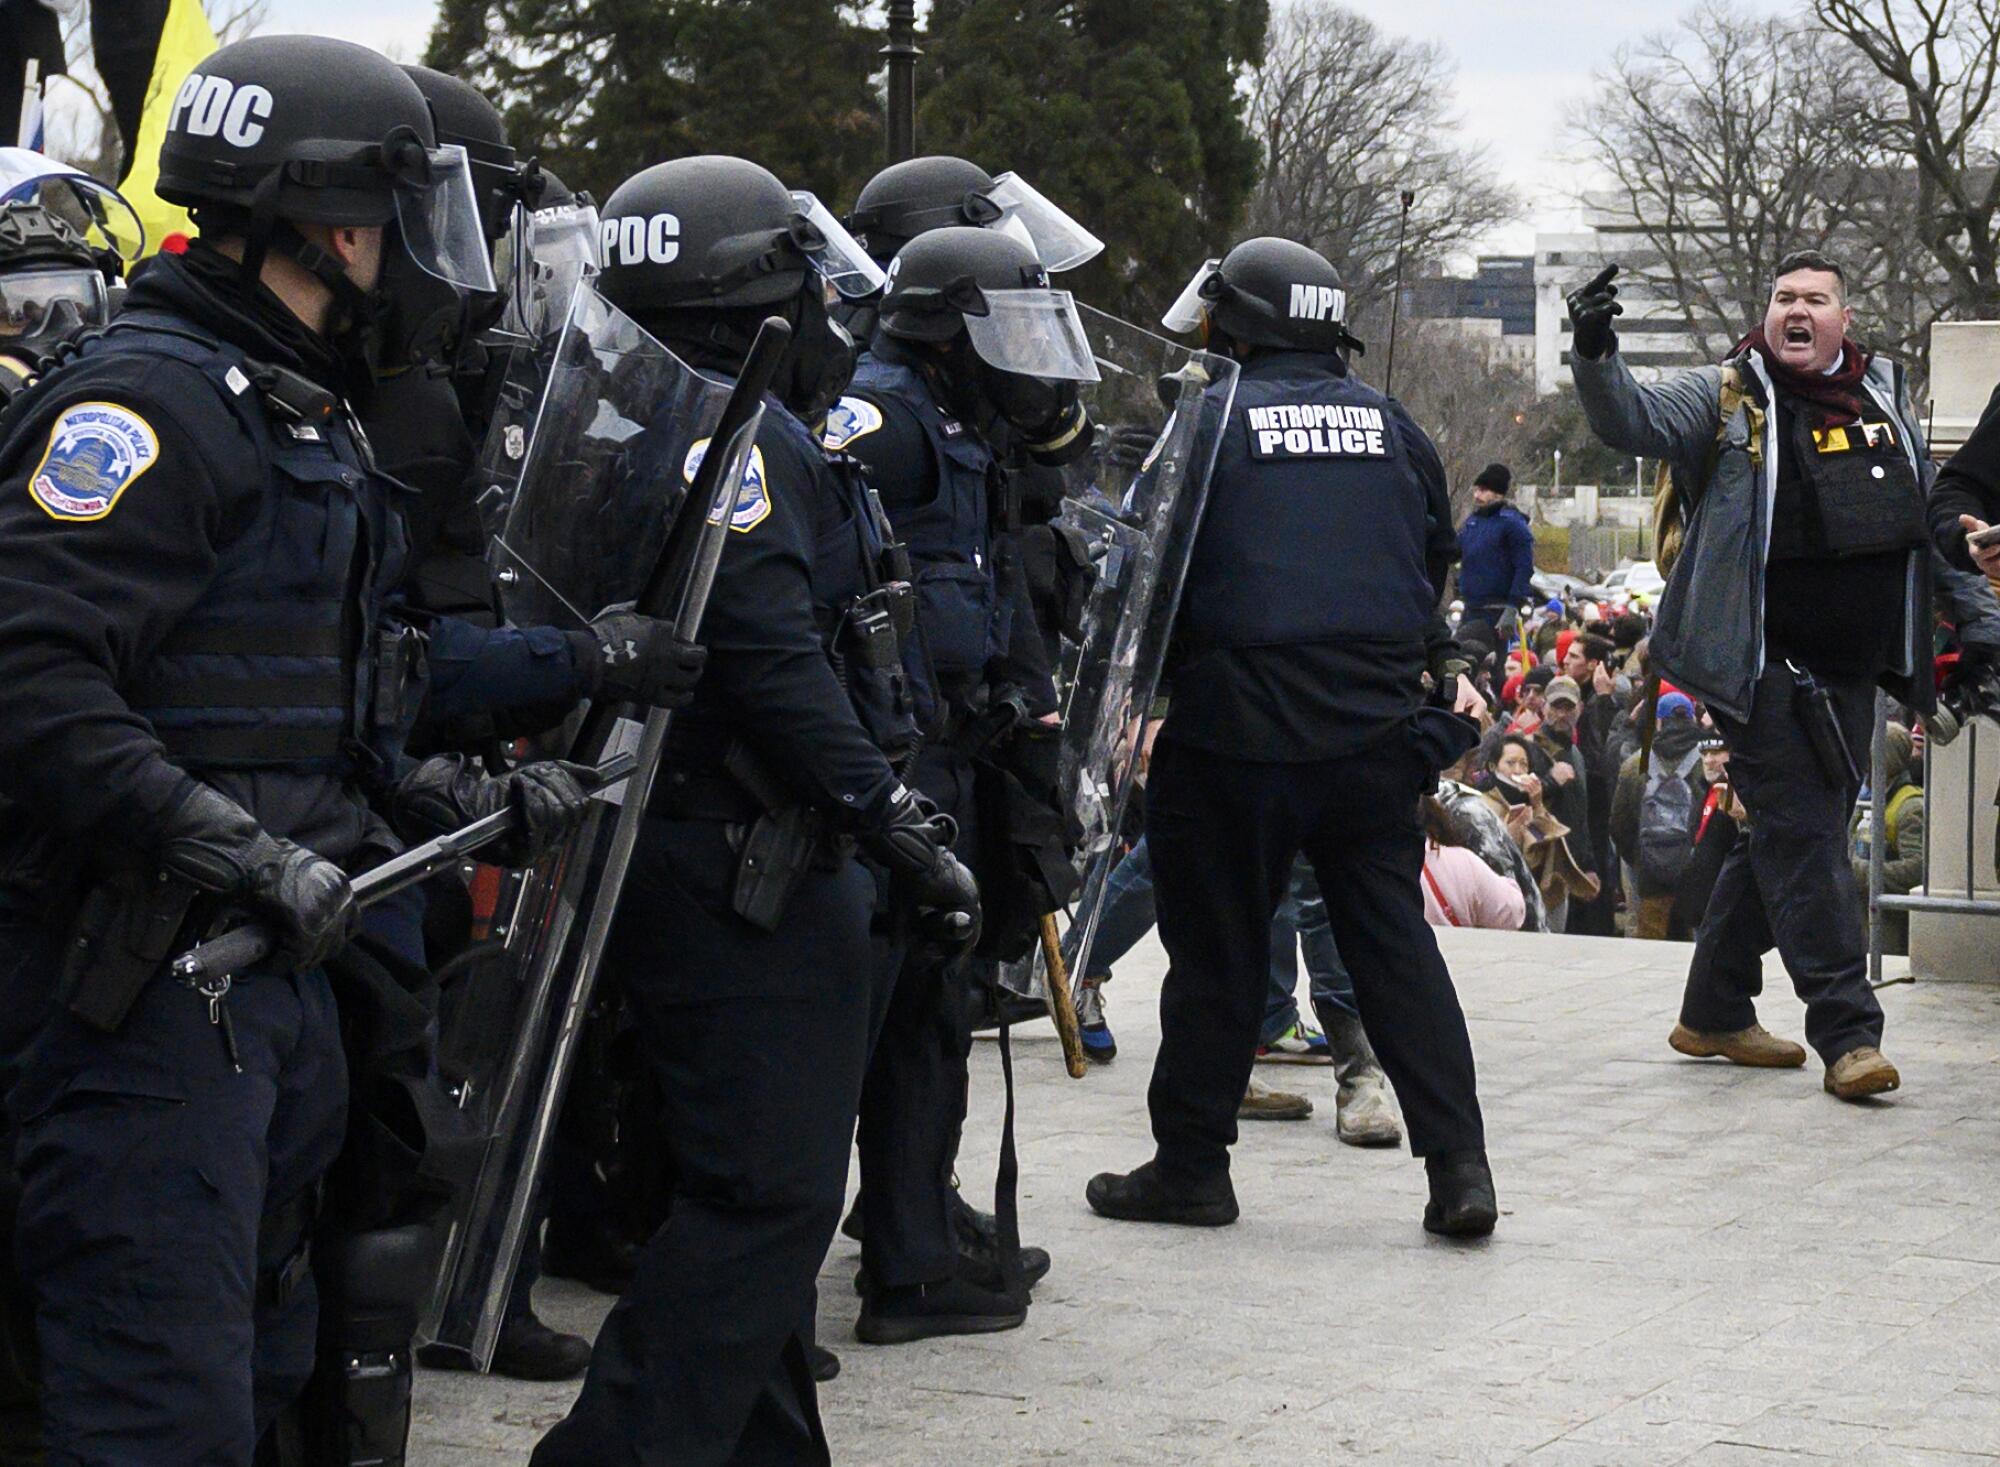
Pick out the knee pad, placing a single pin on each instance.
(372, 1290)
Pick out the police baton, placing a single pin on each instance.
(243, 946)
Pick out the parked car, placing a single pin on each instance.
(1555, 586)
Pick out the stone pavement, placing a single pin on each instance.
(1696, 1264)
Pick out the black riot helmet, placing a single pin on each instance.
(276, 131)
(500, 179)
(983, 298)
(700, 250)
(918, 195)
(1268, 292)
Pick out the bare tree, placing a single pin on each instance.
(1734, 139)
(1942, 60)
(1346, 119)
(1475, 408)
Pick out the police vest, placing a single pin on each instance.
(289, 660)
(1315, 525)
(860, 624)
(963, 622)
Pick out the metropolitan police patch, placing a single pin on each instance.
(753, 500)
(851, 418)
(96, 450)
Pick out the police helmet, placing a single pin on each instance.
(918, 195)
(1268, 292)
(464, 117)
(311, 129)
(720, 233)
(995, 290)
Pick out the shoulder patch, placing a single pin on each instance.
(1317, 430)
(753, 500)
(96, 450)
(851, 418)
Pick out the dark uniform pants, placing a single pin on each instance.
(1224, 834)
(164, 1206)
(913, 1105)
(1788, 883)
(757, 1041)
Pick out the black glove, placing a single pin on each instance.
(1590, 311)
(218, 845)
(914, 844)
(447, 793)
(1128, 444)
(638, 659)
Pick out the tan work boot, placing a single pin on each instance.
(1756, 1046)
(1366, 1118)
(1262, 1103)
(1861, 1072)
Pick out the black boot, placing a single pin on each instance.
(526, 1350)
(1462, 1204)
(924, 1311)
(978, 1237)
(1141, 1196)
(822, 1362)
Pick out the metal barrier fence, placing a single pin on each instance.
(1978, 814)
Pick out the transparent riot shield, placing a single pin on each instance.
(620, 427)
(1140, 526)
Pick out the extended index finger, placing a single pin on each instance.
(1601, 279)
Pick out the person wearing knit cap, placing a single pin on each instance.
(1498, 548)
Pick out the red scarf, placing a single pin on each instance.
(1837, 396)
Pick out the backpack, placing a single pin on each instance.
(1666, 819)
(1669, 513)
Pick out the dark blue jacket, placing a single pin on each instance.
(1498, 551)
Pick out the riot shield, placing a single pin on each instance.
(619, 426)
(1140, 525)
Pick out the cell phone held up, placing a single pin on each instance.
(1985, 539)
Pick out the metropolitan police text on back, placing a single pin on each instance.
(1317, 430)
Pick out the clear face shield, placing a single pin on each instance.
(32, 301)
(1033, 333)
(835, 253)
(97, 210)
(438, 213)
(1183, 317)
(1058, 240)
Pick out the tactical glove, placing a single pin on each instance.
(638, 659)
(1129, 444)
(914, 843)
(1590, 311)
(447, 793)
(217, 845)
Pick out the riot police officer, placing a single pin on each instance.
(969, 336)
(745, 910)
(55, 278)
(1298, 722)
(198, 563)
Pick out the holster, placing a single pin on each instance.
(1816, 712)
(126, 926)
(776, 849)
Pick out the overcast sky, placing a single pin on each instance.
(1518, 65)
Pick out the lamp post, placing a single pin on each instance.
(1558, 489)
(1409, 197)
(902, 53)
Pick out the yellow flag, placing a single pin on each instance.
(186, 39)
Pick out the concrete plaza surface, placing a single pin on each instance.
(1695, 1264)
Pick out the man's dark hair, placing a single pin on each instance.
(1627, 630)
(1810, 260)
(1595, 648)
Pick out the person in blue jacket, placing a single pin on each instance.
(1498, 549)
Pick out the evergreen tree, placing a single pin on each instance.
(599, 89)
(1126, 112)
